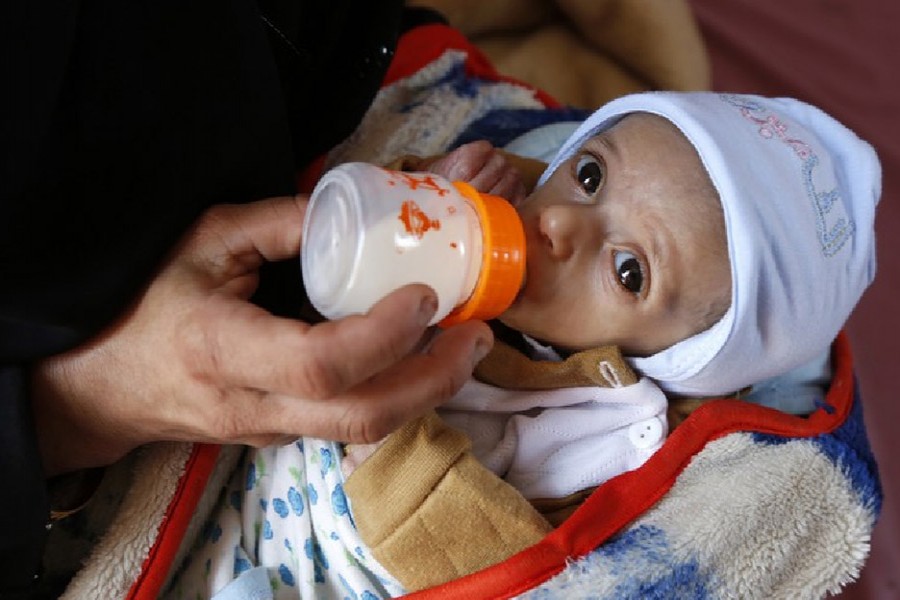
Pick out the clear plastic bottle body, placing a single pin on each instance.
(369, 231)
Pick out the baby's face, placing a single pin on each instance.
(626, 244)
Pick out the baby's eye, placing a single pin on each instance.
(628, 271)
(589, 172)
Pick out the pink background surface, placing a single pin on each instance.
(844, 56)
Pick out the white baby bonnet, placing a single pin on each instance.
(799, 192)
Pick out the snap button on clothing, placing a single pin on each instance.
(647, 433)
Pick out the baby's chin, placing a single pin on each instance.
(508, 317)
(524, 312)
(511, 317)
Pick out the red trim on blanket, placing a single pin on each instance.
(613, 505)
(191, 485)
(624, 498)
(422, 45)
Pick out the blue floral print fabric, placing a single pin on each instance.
(284, 518)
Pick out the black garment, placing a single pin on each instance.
(516, 339)
(120, 122)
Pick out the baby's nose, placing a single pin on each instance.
(559, 226)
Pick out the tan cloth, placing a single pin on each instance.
(506, 367)
(430, 512)
(586, 52)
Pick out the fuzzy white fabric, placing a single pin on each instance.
(135, 528)
(116, 561)
(799, 192)
(745, 520)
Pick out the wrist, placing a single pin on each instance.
(70, 435)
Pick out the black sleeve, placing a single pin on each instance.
(120, 122)
(23, 499)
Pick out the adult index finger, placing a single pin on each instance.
(420, 382)
(379, 405)
(232, 239)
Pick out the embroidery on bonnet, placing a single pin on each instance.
(771, 127)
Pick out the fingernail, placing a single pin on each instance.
(482, 347)
(427, 308)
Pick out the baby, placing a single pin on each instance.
(716, 241)
(679, 246)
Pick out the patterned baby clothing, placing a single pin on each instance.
(300, 541)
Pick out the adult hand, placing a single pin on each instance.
(194, 360)
(484, 167)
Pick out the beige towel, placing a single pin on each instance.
(586, 52)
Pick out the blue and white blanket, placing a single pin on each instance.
(741, 502)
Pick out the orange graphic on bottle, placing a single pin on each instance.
(418, 181)
(415, 220)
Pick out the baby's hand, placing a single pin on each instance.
(356, 454)
(483, 167)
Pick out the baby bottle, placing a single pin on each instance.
(369, 231)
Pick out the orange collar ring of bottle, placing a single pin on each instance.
(503, 258)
